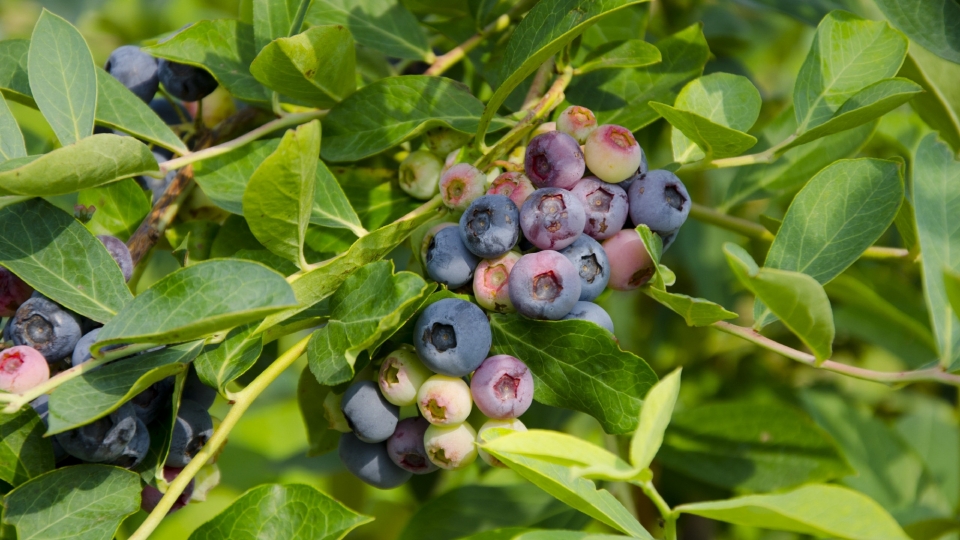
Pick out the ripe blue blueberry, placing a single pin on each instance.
(448, 261)
(166, 111)
(191, 431)
(101, 440)
(660, 201)
(134, 69)
(120, 253)
(81, 352)
(405, 446)
(544, 285)
(185, 82)
(502, 387)
(369, 415)
(196, 391)
(47, 327)
(371, 463)
(552, 218)
(554, 160)
(149, 403)
(137, 449)
(13, 292)
(605, 206)
(588, 311)
(641, 172)
(590, 260)
(452, 337)
(491, 226)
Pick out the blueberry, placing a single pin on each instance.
(149, 403)
(612, 154)
(511, 424)
(588, 311)
(41, 406)
(120, 253)
(47, 327)
(371, 463)
(401, 376)
(196, 391)
(515, 185)
(13, 292)
(101, 440)
(605, 206)
(491, 226)
(150, 496)
(368, 413)
(630, 264)
(641, 172)
(192, 429)
(185, 82)
(420, 174)
(405, 446)
(578, 122)
(451, 447)
(491, 283)
(22, 368)
(81, 352)
(168, 112)
(554, 159)
(590, 260)
(502, 387)
(660, 201)
(134, 69)
(452, 337)
(157, 186)
(552, 218)
(461, 184)
(668, 241)
(137, 449)
(444, 400)
(444, 140)
(544, 285)
(448, 261)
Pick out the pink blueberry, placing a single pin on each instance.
(22, 368)
(578, 122)
(612, 154)
(461, 185)
(630, 264)
(491, 282)
(515, 185)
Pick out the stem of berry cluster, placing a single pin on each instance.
(669, 516)
(243, 400)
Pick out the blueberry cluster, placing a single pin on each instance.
(451, 341)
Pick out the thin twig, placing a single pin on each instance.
(163, 213)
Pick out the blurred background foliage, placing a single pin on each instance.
(905, 444)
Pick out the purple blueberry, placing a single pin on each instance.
(491, 282)
(185, 82)
(513, 424)
(371, 463)
(461, 184)
(47, 327)
(101, 440)
(578, 122)
(612, 153)
(491, 226)
(22, 368)
(605, 206)
(515, 185)
(134, 69)
(166, 111)
(137, 449)
(192, 429)
(451, 447)
(588, 311)
(502, 387)
(405, 446)
(120, 253)
(552, 218)
(639, 174)
(150, 496)
(660, 201)
(444, 400)
(369, 415)
(13, 292)
(590, 260)
(554, 160)
(448, 261)
(452, 337)
(544, 285)
(668, 241)
(630, 264)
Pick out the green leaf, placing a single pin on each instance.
(293, 512)
(93, 161)
(753, 446)
(632, 53)
(197, 301)
(96, 394)
(24, 453)
(272, 19)
(120, 207)
(393, 110)
(311, 396)
(868, 104)
(718, 100)
(936, 198)
(317, 67)
(220, 364)
(280, 194)
(820, 510)
(623, 96)
(797, 299)
(63, 79)
(930, 430)
(545, 30)
(118, 108)
(695, 311)
(935, 24)
(951, 285)
(368, 308)
(382, 25)
(225, 48)
(654, 418)
(224, 178)
(82, 502)
(14, 80)
(714, 140)
(11, 140)
(57, 256)
(848, 54)
(939, 106)
(561, 449)
(577, 365)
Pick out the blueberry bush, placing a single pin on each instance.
(673, 269)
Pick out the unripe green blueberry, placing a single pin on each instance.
(490, 282)
(513, 424)
(401, 376)
(451, 447)
(612, 154)
(420, 174)
(577, 122)
(545, 127)
(444, 400)
(630, 264)
(444, 140)
(461, 185)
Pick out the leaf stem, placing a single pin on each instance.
(244, 399)
(669, 516)
(297, 24)
(767, 156)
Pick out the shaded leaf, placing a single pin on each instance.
(24, 453)
(935, 24)
(11, 140)
(382, 25)
(224, 178)
(632, 53)
(120, 207)
(311, 396)
(220, 364)
(14, 80)
(118, 108)
(939, 105)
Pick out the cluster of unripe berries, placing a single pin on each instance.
(452, 339)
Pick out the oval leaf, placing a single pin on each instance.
(120, 207)
(11, 139)
(224, 178)
(382, 25)
(695, 311)
(118, 108)
(654, 418)
(714, 140)
(272, 19)
(222, 363)
(935, 24)
(632, 53)
(24, 453)
(14, 80)
(559, 448)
